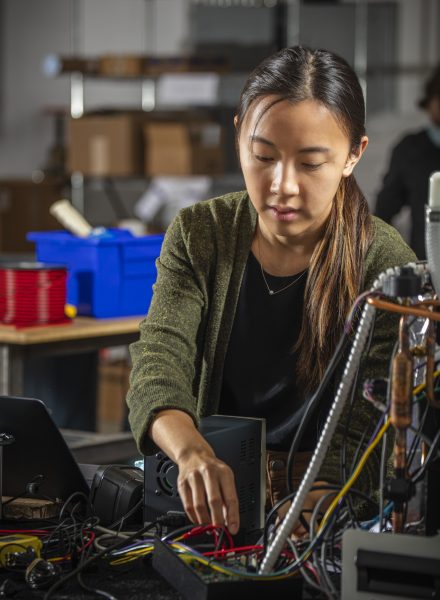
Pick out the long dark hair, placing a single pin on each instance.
(336, 271)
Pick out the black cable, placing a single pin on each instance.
(93, 590)
(327, 586)
(382, 471)
(58, 529)
(88, 588)
(417, 434)
(311, 407)
(100, 554)
(333, 545)
(69, 500)
(220, 540)
(84, 554)
(343, 454)
(64, 528)
(431, 452)
(314, 488)
(382, 466)
(303, 570)
(127, 515)
(424, 438)
(357, 452)
(310, 548)
(31, 491)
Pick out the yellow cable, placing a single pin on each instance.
(131, 555)
(356, 473)
(188, 557)
(363, 460)
(420, 387)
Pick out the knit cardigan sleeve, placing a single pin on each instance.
(163, 359)
(359, 419)
(178, 360)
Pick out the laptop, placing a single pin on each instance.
(39, 457)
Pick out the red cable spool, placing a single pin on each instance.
(32, 293)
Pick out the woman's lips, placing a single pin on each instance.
(284, 214)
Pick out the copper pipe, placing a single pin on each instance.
(400, 410)
(399, 463)
(427, 314)
(407, 310)
(397, 522)
(402, 380)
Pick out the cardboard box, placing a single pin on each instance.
(183, 148)
(107, 145)
(112, 390)
(24, 206)
(121, 65)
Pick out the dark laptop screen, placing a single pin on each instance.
(39, 452)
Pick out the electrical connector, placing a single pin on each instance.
(18, 544)
(174, 518)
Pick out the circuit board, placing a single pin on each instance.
(197, 582)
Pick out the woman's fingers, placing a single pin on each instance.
(185, 494)
(208, 494)
(222, 498)
(193, 496)
(199, 496)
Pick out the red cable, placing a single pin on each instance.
(33, 531)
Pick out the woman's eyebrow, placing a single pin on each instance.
(322, 149)
(306, 150)
(262, 140)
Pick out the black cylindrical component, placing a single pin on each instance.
(404, 284)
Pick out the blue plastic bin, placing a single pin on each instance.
(108, 276)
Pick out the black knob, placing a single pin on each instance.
(404, 284)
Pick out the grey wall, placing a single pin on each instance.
(29, 30)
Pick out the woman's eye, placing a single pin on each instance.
(263, 158)
(312, 166)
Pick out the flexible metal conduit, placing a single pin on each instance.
(432, 230)
(361, 337)
(432, 237)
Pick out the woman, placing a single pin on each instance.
(253, 287)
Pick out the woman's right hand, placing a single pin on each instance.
(206, 484)
(207, 489)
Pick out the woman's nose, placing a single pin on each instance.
(285, 180)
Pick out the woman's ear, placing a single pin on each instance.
(355, 157)
(235, 121)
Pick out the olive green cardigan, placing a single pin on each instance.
(178, 361)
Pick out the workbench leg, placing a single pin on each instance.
(11, 371)
(4, 370)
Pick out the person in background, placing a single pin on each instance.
(254, 287)
(413, 160)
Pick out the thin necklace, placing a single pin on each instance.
(274, 292)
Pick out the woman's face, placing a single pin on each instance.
(293, 159)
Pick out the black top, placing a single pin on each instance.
(259, 370)
(413, 161)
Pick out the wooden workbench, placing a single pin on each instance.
(81, 335)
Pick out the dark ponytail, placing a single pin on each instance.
(336, 269)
